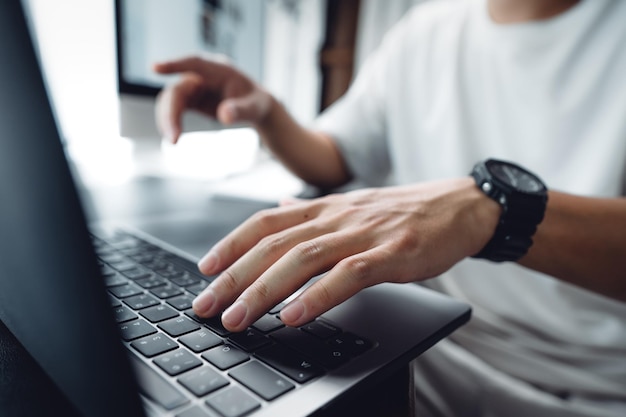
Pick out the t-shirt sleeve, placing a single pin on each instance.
(357, 121)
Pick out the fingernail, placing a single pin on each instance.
(203, 303)
(292, 312)
(235, 314)
(208, 263)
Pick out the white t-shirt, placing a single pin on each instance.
(447, 88)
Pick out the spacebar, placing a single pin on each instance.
(155, 387)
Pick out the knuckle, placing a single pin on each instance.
(196, 61)
(259, 290)
(272, 245)
(407, 239)
(358, 269)
(308, 252)
(229, 280)
(264, 219)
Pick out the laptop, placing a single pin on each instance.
(106, 313)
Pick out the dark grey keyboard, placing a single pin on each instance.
(195, 364)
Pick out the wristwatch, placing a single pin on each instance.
(523, 198)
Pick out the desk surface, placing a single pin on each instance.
(182, 213)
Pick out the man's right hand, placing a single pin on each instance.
(214, 88)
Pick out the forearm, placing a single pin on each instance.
(310, 155)
(582, 241)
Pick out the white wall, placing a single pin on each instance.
(76, 42)
(295, 32)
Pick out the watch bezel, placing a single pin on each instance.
(491, 164)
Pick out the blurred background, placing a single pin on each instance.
(97, 57)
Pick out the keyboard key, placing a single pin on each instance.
(139, 255)
(137, 272)
(200, 340)
(123, 240)
(181, 302)
(123, 314)
(151, 282)
(311, 346)
(178, 326)
(268, 323)
(289, 362)
(114, 280)
(154, 263)
(225, 356)
(166, 292)
(261, 380)
(321, 329)
(153, 249)
(249, 339)
(136, 329)
(197, 411)
(171, 271)
(159, 313)
(189, 266)
(155, 387)
(213, 323)
(134, 253)
(124, 265)
(154, 345)
(137, 302)
(177, 362)
(203, 381)
(233, 402)
(124, 291)
(185, 280)
(110, 257)
(351, 343)
(198, 288)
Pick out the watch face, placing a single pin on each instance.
(516, 177)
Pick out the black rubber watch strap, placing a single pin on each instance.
(521, 213)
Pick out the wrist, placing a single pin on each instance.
(269, 119)
(483, 215)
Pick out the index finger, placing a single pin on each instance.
(208, 69)
(171, 103)
(251, 231)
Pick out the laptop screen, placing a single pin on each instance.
(43, 240)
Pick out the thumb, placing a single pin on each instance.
(250, 108)
(227, 112)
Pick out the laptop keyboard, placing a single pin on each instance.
(198, 362)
